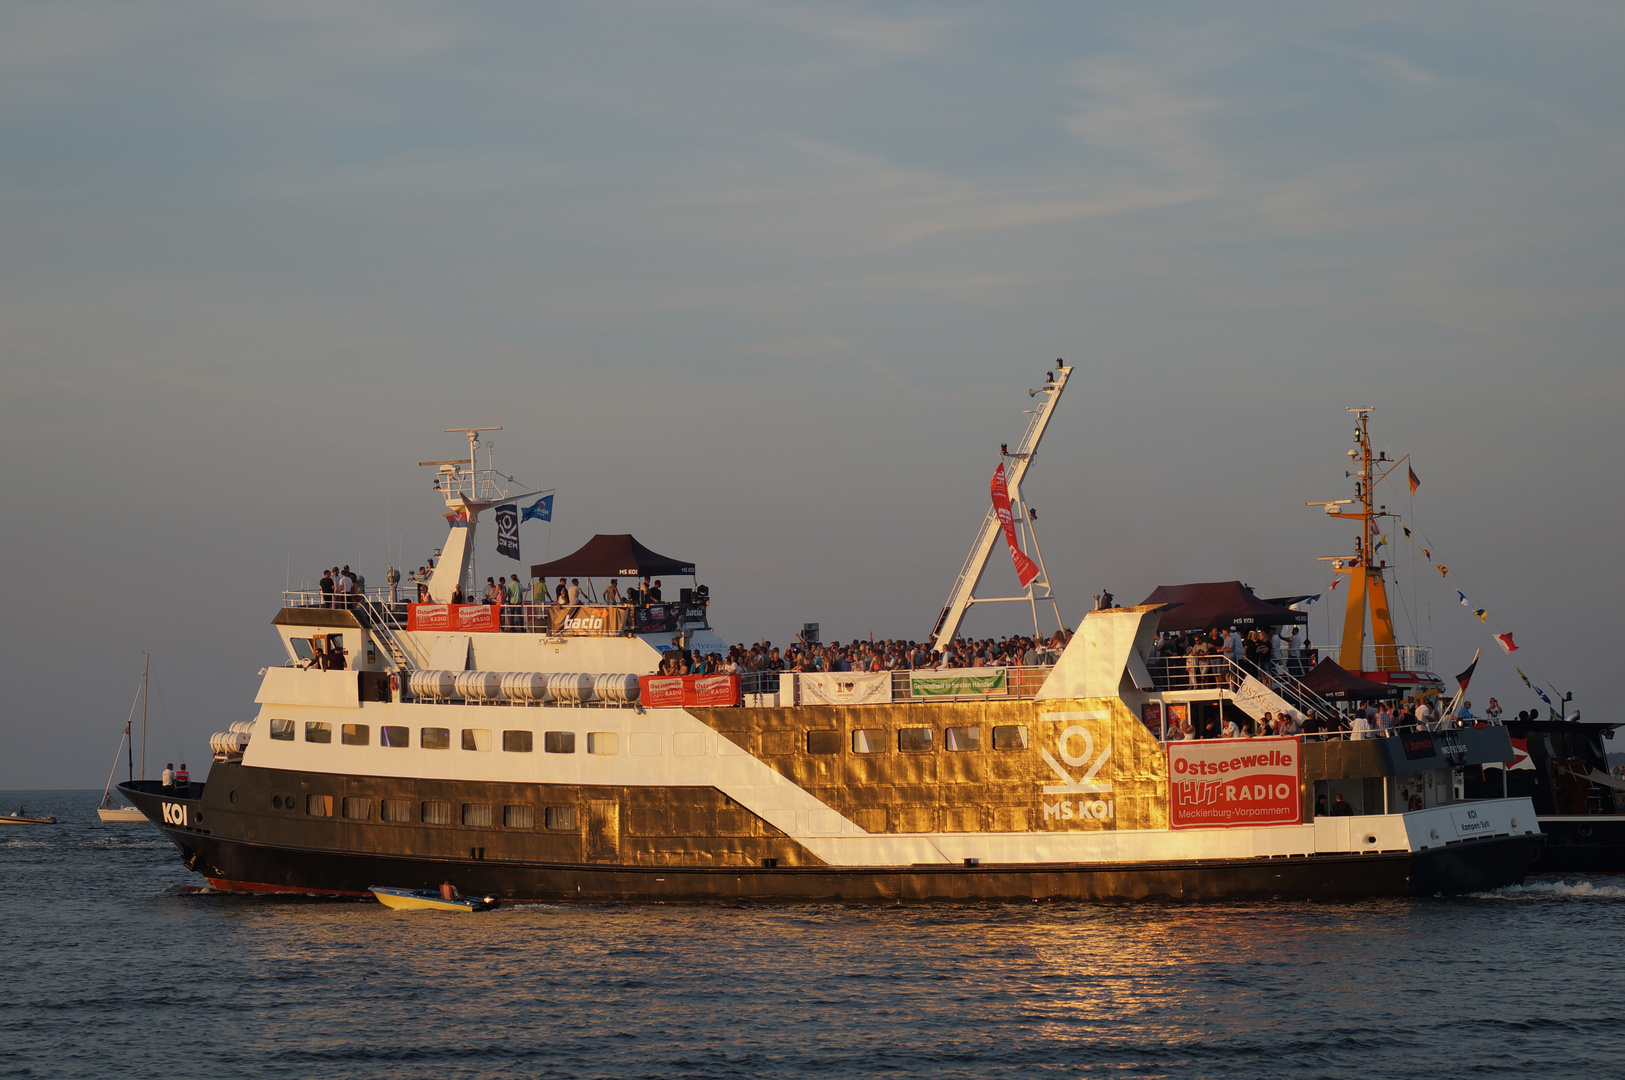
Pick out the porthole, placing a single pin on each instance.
(276, 802)
(232, 796)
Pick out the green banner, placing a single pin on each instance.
(993, 682)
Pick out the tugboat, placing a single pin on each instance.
(544, 752)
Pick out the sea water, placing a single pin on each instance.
(112, 968)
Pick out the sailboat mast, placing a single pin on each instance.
(146, 669)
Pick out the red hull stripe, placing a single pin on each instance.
(226, 885)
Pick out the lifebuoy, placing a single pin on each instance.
(394, 681)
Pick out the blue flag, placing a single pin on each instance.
(540, 510)
(1542, 694)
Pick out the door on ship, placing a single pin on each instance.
(603, 830)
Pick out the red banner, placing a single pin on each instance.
(1026, 569)
(469, 618)
(1227, 782)
(676, 691)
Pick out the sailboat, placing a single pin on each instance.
(109, 810)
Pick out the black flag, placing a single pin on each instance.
(508, 531)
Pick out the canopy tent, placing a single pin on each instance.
(1335, 683)
(612, 555)
(1219, 605)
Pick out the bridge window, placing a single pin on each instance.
(519, 817)
(318, 731)
(1013, 737)
(435, 738)
(437, 813)
(391, 735)
(962, 738)
(518, 742)
(823, 742)
(397, 810)
(357, 809)
(282, 730)
(869, 741)
(559, 742)
(319, 805)
(476, 739)
(914, 740)
(559, 817)
(477, 814)
(355, 734)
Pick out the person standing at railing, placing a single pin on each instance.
(514, 594)
(612, 594)
(328, 586)
(346, 588)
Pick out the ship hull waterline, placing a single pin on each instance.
(1466, 867)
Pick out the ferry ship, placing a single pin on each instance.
(537, 754)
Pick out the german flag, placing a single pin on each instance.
(1415, 483)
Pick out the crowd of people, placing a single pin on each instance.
(1374, 720)
(889, 654)
(1195, 654)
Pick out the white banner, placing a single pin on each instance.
(844, 688)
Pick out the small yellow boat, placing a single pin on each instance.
(430, 900)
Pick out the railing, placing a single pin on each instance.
(782, 688)
(558, 620)
(1217, 671)
(1388, 658)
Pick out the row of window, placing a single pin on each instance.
(431, 812)
(439, 738)
(918, 740)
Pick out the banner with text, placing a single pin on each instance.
(1226, 782)
(469, 618)
(507, 518)
(677, 691)
(596, 620)
(841, 688)
(1026, 569)
(958, 682)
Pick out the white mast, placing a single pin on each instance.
(468, 489)
(963, 594)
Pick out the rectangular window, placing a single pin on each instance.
(437, 813)
(519, 817)
(355, 734)
(301, 648)
(518, 742)
(914, 740)
(435, 738)
(956, 739)
(869, 741)
(391, 735)
(398, 810)
(559, 742)
(476, 739)
(823, 742)
(559, 817)
(282, 730)
(477, 814)
(318, 731)
(603, 742)
(1013, 737)
(357, 809)
(319, 805)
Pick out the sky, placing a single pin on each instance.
(766, 285)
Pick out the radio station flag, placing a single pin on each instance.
(1415, 483)
(1467, 676)
(507, 518)
(540, 510)
(1026, 569)
(1505, 641)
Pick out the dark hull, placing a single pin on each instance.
(1592, 845)
(1472, 866)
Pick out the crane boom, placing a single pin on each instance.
(970, 575)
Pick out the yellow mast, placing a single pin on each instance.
(1367, 587)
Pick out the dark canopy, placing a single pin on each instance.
(612, 555)
(1219, 605)
(1335, 683)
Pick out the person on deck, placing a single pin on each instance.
(448, 891)
(612, 594)
(561, 592)
(654, 594)
(1493, 711)
(183, 780)
(575, 592)
(168, 777)
(1341, 808)
(328, 586)
(1360, 728)
(513, 593)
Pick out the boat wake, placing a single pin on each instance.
(1556, 890)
